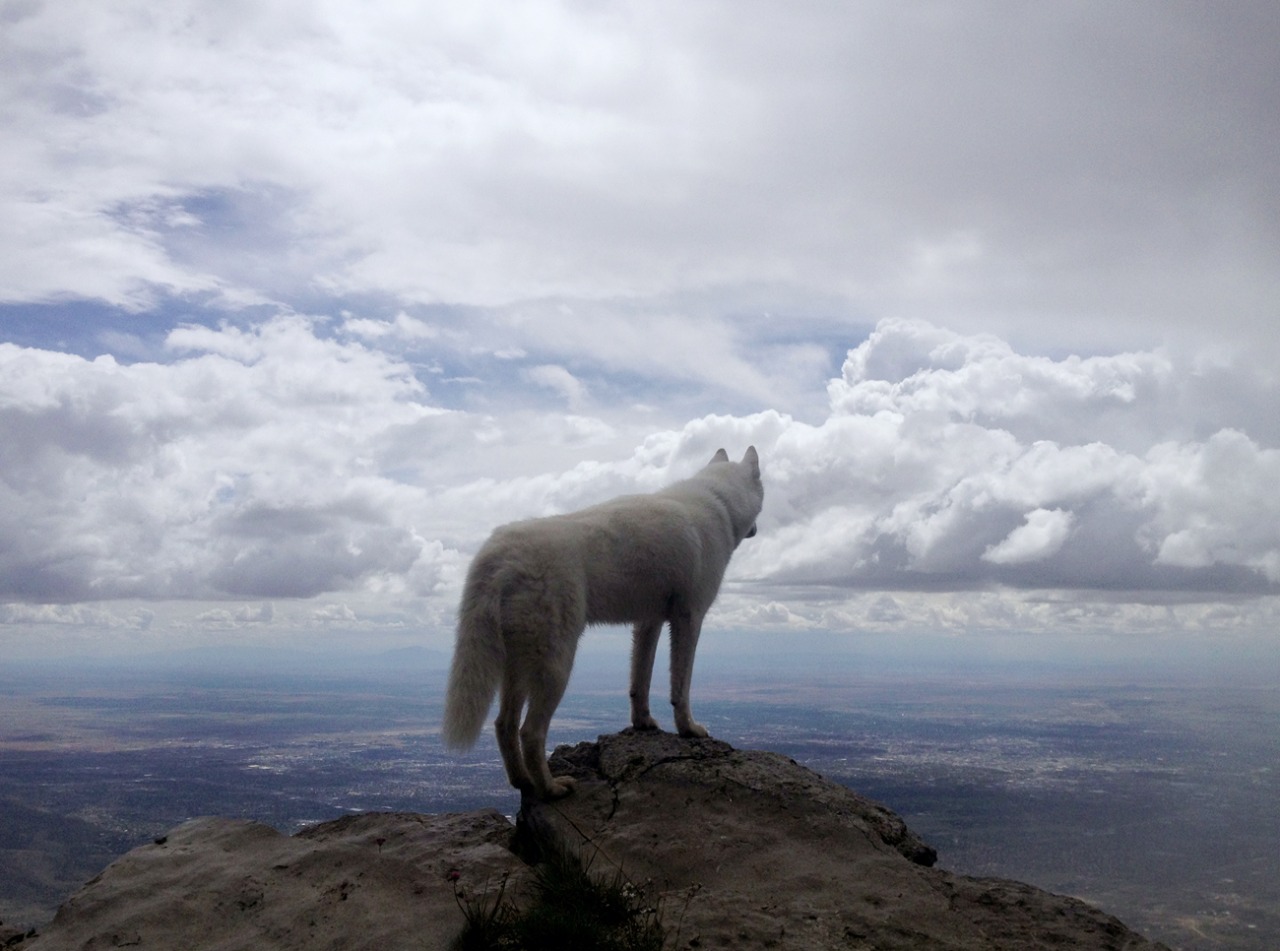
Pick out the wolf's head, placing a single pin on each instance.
(740, 486)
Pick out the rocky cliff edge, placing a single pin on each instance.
(740, 849)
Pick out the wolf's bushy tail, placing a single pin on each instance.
(478, 658)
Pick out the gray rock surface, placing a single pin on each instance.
(743, 849)
(751, 850)
(378, 880)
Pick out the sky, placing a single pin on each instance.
(298, 300)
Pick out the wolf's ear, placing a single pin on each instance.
(752, 459)
(720, 456)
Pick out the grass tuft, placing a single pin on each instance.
(570, 910)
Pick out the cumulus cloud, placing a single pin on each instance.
(569, 250)
(334, 614)
(278, 460)
(1040, 536)
(952, 461)
(247, 467)
(75, 615)
(1214, 503)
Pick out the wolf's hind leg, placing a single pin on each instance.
(507, 728)
(544, 697)
(684, 644)
(644, 647)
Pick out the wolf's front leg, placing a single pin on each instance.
(644, 647)
(684, 644)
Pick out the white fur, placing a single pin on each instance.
(535, 586)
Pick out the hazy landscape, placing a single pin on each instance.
(1155, 801)
(299, 301)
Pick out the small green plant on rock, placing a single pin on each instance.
(570, 910)
(489, 919)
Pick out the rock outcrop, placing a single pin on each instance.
(770, 854)
(743, 849)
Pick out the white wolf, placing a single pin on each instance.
(535, 586)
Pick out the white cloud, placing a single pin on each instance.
(273, 462)
(248, 467)
(334, 614)
(401, 327)
(649, 341)
(1041, 536)
(672, 217)
(256, 614)
(1215, 503)
(560, 380)
(74, 615)
(957, 462)
(1032, 173)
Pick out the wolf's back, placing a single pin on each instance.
(478, 657)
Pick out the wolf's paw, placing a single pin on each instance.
(560, 788)
(692, 730)
(645, 724)
(523, 783)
